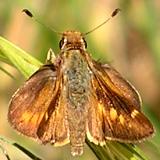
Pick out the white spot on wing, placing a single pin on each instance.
(134, 113)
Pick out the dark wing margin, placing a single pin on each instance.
(114, 113)
(30, 102)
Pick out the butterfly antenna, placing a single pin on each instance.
(114, 13)
(28, 13)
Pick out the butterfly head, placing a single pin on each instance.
(72, 40)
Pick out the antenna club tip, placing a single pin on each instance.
(115, 12)
(27, 12)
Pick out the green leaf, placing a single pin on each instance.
(4, 152)
(15, 56)
(26, 151)
(116, 151)
(5, 71)
(18, 146)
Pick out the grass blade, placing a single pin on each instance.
(25, 63)
(21, 148)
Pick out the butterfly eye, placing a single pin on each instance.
(61, 43)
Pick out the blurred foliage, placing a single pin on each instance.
(130, 42)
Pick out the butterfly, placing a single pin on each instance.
(73, 97)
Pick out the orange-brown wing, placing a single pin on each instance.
(30, 104)
(54, 127)
(115, 113)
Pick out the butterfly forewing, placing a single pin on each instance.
(111, 78)
(30, 103)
